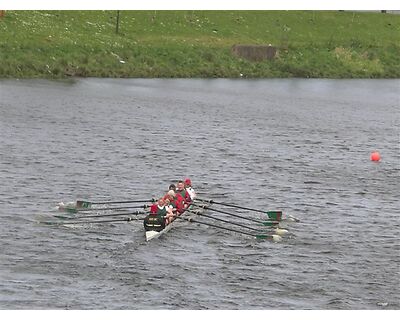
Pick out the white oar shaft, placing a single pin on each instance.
(236, 215)
(102, 215)
(223, 220)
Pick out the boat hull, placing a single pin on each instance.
(153, 234)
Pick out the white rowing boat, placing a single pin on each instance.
(154, 234)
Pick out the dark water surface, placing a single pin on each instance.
(302, 146)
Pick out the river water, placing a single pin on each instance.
(301, 146)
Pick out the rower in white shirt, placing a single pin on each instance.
(189, 188)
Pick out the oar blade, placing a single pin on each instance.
(68, 209)
(263, 237)
(270, 223)
(281, 232)
(50, 223)
(274, 215)
(62, 217)
(276, 238)
(83, 204)
(273, 237)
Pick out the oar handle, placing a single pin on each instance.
(102, 215)
(276, 215)
(235, 215)
(113, 208)
(234, 206)
(127, 201)
(223, 220)
(188, 210)
(87, 204)
(258, 236)
(128, 219)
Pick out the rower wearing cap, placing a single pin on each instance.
(189, 188)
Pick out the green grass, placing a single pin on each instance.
(329, 44)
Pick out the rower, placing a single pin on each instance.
(189, 188)
(161, 209)
(169, 202)
(176, 201)
(170, 214)
(180, 189)
(156, 220)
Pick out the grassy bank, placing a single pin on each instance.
(57, 44)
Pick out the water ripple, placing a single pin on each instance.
(272, 144)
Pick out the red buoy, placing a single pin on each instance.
(375, 156)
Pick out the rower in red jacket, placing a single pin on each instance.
(180, 190)
(176, 201)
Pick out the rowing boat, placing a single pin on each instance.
(155, 225)
(156, 232)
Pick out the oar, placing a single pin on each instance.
(75, 210)
(265, 223)
(55, 223)
(277, 230)
(100, 215)
(273, 237)
(276, 215)
(87, 204)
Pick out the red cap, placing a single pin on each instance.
(188, 182)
